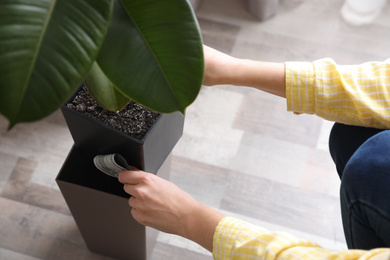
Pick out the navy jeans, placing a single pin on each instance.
(362, 158)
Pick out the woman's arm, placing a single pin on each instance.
(162, 205)
(221, 68)
(354, 95)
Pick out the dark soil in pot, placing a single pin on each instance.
(134, 119)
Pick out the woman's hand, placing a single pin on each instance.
(162, 205)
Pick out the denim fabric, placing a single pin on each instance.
(344, 140)
(365, 185)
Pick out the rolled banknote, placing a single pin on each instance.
(111, 164)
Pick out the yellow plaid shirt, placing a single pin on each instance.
(355, 95)
(236, 239)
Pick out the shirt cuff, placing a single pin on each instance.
(300, 87)
(224, 236)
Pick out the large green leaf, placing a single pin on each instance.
(153, 53)
(46, 49)
(104, 91)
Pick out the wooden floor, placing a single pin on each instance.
(241, 152)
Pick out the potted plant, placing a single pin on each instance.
(147, 51)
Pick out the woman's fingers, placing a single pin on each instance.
(130, 177)
(132, 202)
(137, 183)
(129, 188)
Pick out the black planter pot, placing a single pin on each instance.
(101, 211)
(92, 138)
(98, 202)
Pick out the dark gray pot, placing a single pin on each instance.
(92, 137)
(97, 201)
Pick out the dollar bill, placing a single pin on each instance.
(111, 164)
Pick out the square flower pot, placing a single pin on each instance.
(101, 211)
(92, 138)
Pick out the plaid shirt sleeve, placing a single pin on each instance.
(355, 95)
(238, 240)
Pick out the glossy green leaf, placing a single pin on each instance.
(103, 91)
(153, 53)
(46, 49)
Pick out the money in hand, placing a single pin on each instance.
(111, 164)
